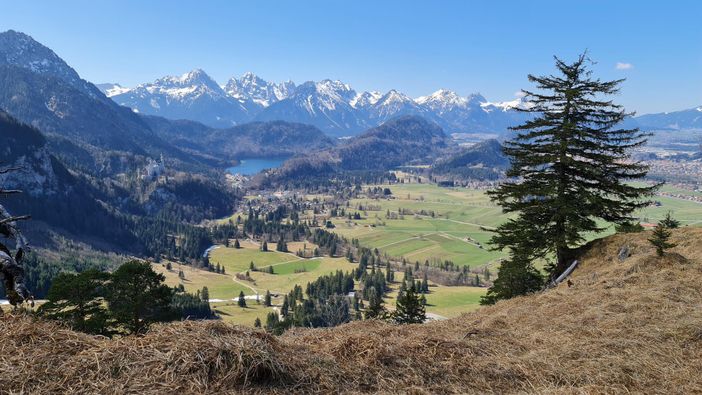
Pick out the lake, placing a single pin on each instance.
(249, 167)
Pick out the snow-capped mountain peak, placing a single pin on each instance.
(442, 98)
(394, 97)
(112, 89)
(517, 103)
(251, 87)
(365, 99)
(329, 104)
(193, 95)
(194, 81)
(335, 88)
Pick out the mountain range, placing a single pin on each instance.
(335, 107)
(331, 105)
(690, 119)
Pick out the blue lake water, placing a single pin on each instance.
(249, 167)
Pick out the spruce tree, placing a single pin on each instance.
(267, 299)
(629, 227)
(205, 294)
(660, 238)
(264, 246)
(281, 246)
(571, 164)
(515, 276)
(137, 297)
(670, 222)
(78, 300)
(272, 320)
(375, 306)
(242, 299)
(236, 244)
(257, 323)
(285, 307)
(409, 308)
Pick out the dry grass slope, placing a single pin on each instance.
(623, 326)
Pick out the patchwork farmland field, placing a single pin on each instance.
(420, 222)
(289, 270)
(459, 229)
(425, 222)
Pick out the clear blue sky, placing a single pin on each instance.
(416, 47)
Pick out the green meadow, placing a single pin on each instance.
(458, 230)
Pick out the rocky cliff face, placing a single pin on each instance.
(24, 148)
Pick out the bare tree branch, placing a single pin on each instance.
(11, 169)
(13, 219)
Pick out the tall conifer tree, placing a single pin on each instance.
(571, 165)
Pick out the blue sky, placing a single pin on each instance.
(416, 47)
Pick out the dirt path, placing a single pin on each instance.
(398, 242)
(448, 236)
(460, 222)
(245, 285)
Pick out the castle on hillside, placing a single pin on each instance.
(153, 169)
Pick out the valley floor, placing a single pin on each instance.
(437, 224)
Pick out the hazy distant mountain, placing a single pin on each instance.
(400, 141)
(487, 153)
(677, 120)
(254, 139)
(193, 95)
(484, 160)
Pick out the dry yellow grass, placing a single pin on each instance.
(623, 326)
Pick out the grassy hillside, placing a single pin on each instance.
(631, 325)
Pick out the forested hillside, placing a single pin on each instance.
(406, 140)
(256, 139)
(484, 160)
